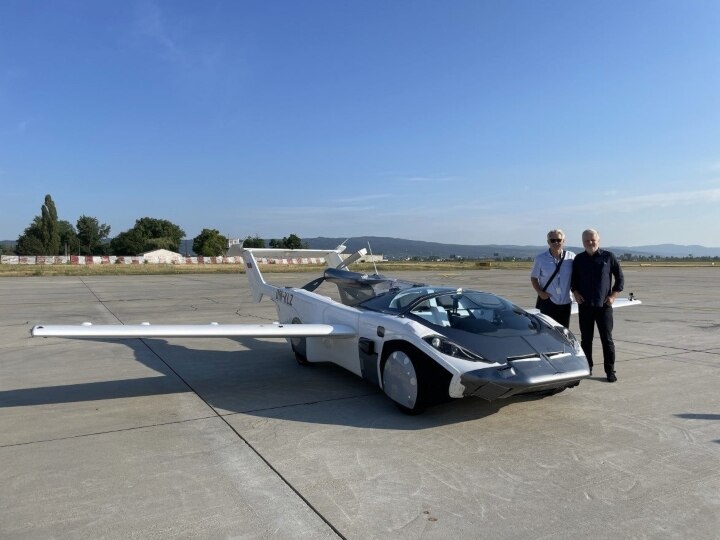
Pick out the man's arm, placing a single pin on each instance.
(618, 280)
(575, 280)
(538, 289)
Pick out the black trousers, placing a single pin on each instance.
(588, 317)
(559, 312)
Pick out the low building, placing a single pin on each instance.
(372, 258)
(162, 256)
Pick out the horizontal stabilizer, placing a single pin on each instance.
(292, 253)
(146, 330)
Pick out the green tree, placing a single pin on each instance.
(42, 236)
(69, 243)
(130, 242)
(148, 234)
(253, 242)
(210, 243)
(91, 234)
(288, 242)
(49, 227)
(30, 241)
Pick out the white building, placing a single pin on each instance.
(162, 256)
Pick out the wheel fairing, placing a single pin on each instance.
(400, 380)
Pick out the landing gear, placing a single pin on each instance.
(299, 347)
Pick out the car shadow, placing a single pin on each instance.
(259, 377)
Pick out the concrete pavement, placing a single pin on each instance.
(230, 438)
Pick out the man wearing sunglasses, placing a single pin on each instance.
(550, 277)
(596, 280)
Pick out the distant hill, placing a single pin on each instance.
(672, 250)
(398, 248)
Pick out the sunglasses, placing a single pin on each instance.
(555, 240)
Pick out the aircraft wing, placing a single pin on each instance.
(618, 303)
(147, 330)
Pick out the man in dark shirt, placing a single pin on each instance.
(592, 284)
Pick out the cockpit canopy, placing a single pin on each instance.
(355, 288)
(471, 311)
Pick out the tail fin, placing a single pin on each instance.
(258, 285)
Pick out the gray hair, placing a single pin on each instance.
(591, 232)
(556, 231)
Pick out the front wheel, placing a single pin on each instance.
(401, 382)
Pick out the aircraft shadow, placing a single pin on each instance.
(700, 416)
(263, 381)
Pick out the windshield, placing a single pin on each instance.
(470, 311)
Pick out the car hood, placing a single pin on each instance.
(501, 349)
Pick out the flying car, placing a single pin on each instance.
(421, 344)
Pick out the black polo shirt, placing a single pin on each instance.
(592, 276)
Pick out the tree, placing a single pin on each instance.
(49, 227)
(130, 242)
(148, 234)
(7, 248)
(30, 241)
(42, 236)
(255, 242)
(90, 234)
(289, 242)
(210, 243)
(69, 243)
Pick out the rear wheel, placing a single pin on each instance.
(299, 346)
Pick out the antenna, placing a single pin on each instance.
(372, 258)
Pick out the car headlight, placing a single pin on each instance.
(571, 338)
(445, 346)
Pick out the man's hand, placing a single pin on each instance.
(544, 295)
(578, 297)
(609, 300)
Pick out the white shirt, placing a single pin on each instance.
(544, 267)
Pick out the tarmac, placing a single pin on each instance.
(231, 438)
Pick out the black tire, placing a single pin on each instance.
(299, 347)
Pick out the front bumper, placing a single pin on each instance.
(525, 376)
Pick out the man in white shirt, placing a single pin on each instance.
(550, 277)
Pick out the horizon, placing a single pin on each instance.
(484, 123)
(534, 246)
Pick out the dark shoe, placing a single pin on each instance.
(611, 377)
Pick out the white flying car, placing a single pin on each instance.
(420, 344)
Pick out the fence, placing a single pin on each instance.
(112, 259)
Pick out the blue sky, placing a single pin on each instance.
(470, 122)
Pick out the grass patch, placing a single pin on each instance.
(22, 270)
